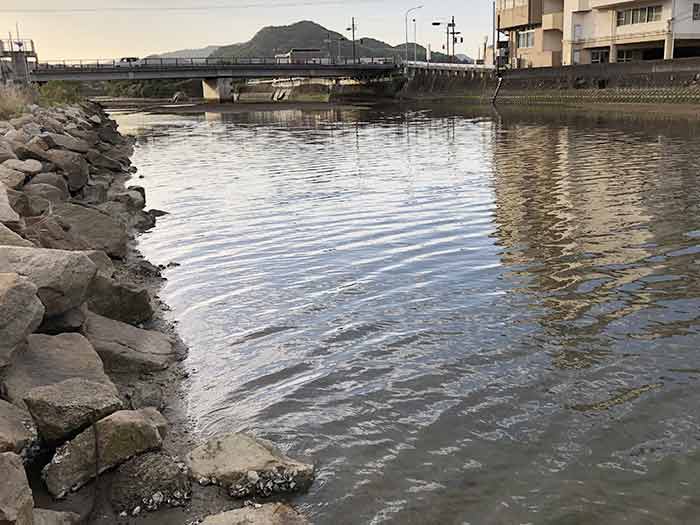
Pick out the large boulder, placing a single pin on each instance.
(50, 232)
(90, 137)
(54, 179)
(63, 409)
(8, 216)
(73, 165)
(248, 467)
(21, 313)
(125, 348)
(29, 167)
(100, 160)
(47, 360)
(153, 479)
(54, 517)
(55, 140)
(121, 301)
(6, 151)
(97, 229)
(62, 277)
(16, 502)
(269, 514)
(17, 429)
(12, 179)
(10, 238)
(116, 439)
(46, 191)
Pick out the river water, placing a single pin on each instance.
(462, 319)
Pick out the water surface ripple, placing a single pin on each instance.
(462, 320)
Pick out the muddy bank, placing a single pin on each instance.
(93, 426)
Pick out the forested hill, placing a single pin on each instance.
(270, 41)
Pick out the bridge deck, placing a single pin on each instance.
(150, 69)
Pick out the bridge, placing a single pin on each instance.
(217, 74)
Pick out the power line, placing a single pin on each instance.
(221, 7)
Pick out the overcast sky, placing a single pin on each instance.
(111, 31)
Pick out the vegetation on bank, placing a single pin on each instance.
(14, 100)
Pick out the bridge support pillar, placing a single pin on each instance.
(218, 89)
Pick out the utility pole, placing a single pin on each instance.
(415, 41)
(354, 49)
(406, 25)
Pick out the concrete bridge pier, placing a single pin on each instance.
(218, 89)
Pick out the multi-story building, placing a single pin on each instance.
(535, 29)
(565, 32)
(630, 30)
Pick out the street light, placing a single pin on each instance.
(406, 24)
(415, 41)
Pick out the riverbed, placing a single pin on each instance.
(468, 318)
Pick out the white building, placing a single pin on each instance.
(598, 31)
(565, 32)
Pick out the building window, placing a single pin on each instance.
(696, 11)
(624, 56)
(640, 15)
(577, 56)
(526, 39)
(600, 56)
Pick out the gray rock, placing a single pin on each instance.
(47, 360)
(54, 179)
(46, 191)
(133, 199)
(269, 514)
(21, 313)
(53, 517)
(17, 429)
(11, 178)
(62, 277)
(49, 232)
(31, 150)
(125, 348)
(16, 502)
(73, 165)
(95, 192)
(30, 166)
(70, 321)
(149, 475)
(63, 409)
(8, 216)
(10, 238)
(90, 137)
(100, 160)
(19, 202)
(104, 264)
(121, 301)
(147, 395)
(120, 437)
(6, 151)
(97, 229)
(54, 140)
(249, 466)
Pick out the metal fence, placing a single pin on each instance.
(126, 63)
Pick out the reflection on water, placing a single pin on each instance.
(485, 319)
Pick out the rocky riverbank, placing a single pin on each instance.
(92, 428)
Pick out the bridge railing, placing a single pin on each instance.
(203, 62)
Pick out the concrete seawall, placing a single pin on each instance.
(649, 82)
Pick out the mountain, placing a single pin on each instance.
(188, 53)
(272, 40)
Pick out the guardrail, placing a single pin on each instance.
(449, 66)
(199, 62)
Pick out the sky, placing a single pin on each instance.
(89, 29)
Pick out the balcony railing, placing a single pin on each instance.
(553, 21)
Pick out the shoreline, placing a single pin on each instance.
(149, 466)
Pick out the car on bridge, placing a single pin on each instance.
(129, 62)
